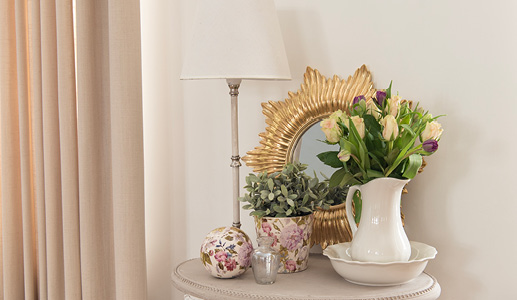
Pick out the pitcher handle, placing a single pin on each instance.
(349, 211)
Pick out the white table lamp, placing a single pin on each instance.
(235, 40)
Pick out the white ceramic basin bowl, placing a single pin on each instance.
(379, 274)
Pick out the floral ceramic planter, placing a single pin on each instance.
(291, 240)
(226, 252)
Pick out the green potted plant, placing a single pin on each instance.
(282, 204)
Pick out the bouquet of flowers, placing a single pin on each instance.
(382, 136)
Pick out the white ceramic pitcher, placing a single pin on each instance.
(381, 236)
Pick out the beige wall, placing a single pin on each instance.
(456, 57)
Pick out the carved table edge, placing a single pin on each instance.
(239, 295)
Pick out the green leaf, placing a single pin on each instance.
(374, 174)
(305, 199)
(400, 157)
(413, 164)
(290, 202)
(371, 124)
(356, 139)
(377, 161)
(258, 213)
(408, 128)
(289, 212)
(253, 178)
(271, 196)
(305, 209)
(348, 179)
(284, 190)
(278, 209)
(358, 205)
(388, 91)
(270, 184)
(392, 155)
(337, 177)
(312, 183)
(347, 145)
(330, 159)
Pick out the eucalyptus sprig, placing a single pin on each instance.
(288, 193)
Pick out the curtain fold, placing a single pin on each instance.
(71, 156)
(10, 183)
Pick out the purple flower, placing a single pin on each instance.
(358, 98)
(244, 254)
(380, 96)
(291, 237)
(430, 146)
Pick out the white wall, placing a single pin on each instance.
(163, 145)
(456, 57)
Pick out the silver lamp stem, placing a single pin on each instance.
(234, 84)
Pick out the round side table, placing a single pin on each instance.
(318, 282)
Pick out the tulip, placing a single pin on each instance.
(430, 146)
(391, 128)
(380, 97)
(433, 130)
(343, 155)
(358, 123)
(372, 109)
(393, 105)
(358, 98)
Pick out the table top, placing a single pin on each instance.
(319, 282)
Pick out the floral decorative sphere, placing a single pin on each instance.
(226, 252)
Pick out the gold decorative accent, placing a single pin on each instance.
(288, 120)
(331, 227)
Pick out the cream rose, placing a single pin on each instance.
(338, 115)
(358, 123)
(393, 105)
(331, 129)
(391, 128)
(433, 130)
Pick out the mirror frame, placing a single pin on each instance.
(288, 120)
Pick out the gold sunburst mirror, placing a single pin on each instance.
(288, 120)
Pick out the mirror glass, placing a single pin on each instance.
(309, 146)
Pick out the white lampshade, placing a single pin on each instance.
(236, 39)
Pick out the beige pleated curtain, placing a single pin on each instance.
(71, 157)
